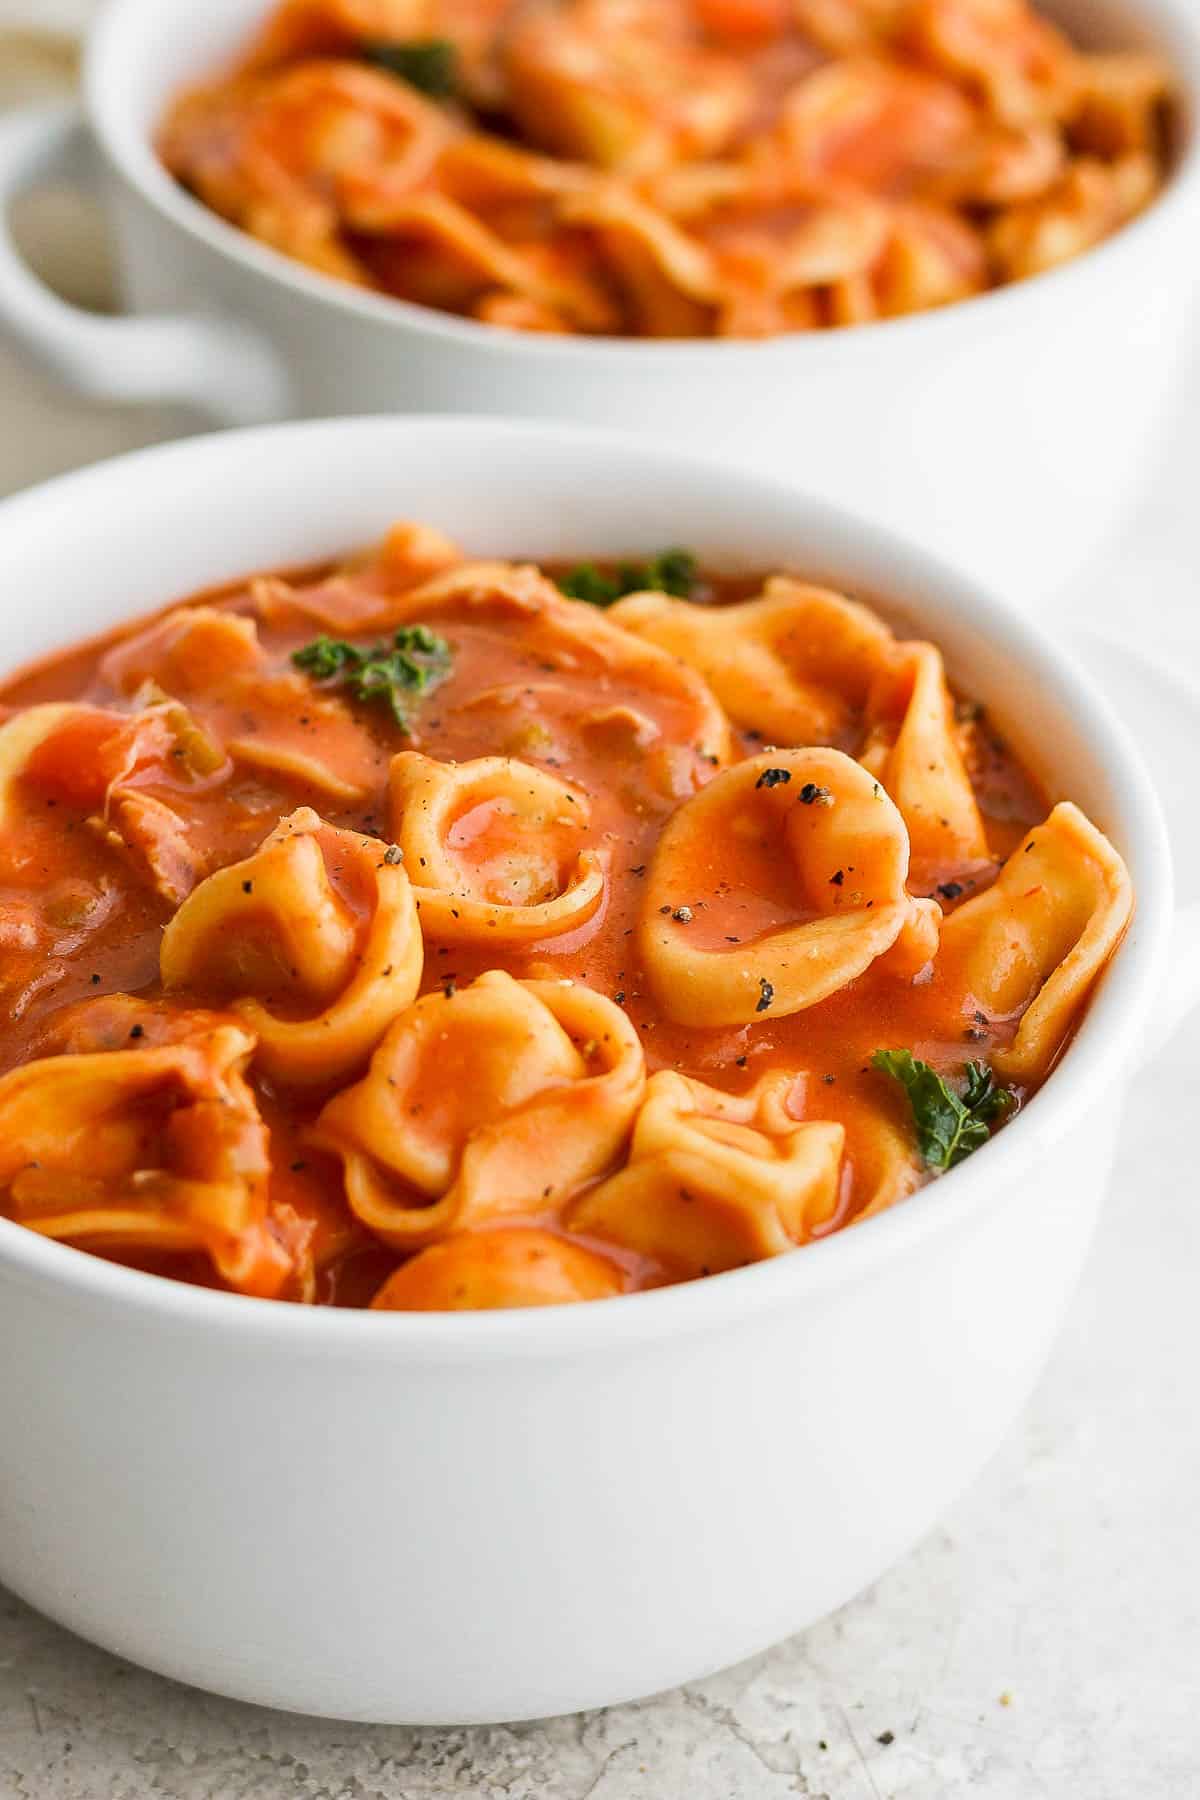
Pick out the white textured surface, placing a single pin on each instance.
(1044, 1644)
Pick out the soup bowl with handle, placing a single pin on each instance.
(1010, 432)
(476, 1517)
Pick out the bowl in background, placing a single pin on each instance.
(1009, 433)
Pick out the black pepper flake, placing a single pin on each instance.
(137, 1031)
(684, 914)
(742, 1061)
(766, 993)
(812, 795)
(297, 1166)
(664, 909)
(885, 1738)
(393, 854)
(950, 890)
(619, 998)
(829, 1080)
(774, 778)
(247, 887)
(1031, 845)
(449, 987)
(836, 879)
(95, 981)
(640, 870)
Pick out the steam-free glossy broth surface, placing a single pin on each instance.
(180, 745)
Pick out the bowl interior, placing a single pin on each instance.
(158, 527)
(143, 51)
(96, 548)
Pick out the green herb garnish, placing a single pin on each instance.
(585, 582)
(391, 675)
(949, 1126)
(428, 64)
(670, 572)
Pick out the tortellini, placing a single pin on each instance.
(613, 89)
(189, 651)
(262, 717)
(912, 748)
(882, 1166)
(496, 1099)
(121, 773)
(674, 169)
(796, 665)
(506, 1265)
(801, 665)
(807, 856)
(495, 848)
(322, 924)
(566, 985)
(581, 647)
(146, 1149)
(714, 1181)
(20, 737)
(1033, 945)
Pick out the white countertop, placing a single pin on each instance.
(1042, 1644)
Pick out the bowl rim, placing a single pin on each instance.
(1107, 1041)
(130, 152)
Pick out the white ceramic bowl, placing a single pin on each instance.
(481, 1517)
(1009, 433)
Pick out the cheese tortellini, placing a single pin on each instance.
(500, 1098)
(715, 1180)
(513, 1265)
(912, 747)
(315, 941)
(158, 1148)
(497, 849)
(805, 853)
(803, 665)
(1033, 945)
(795, 665)
(431, 935)
(731, 169)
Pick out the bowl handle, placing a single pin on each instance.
(206, 360)
(1161, 709)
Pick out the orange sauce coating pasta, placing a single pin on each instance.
(674, 168)
(567, 752)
